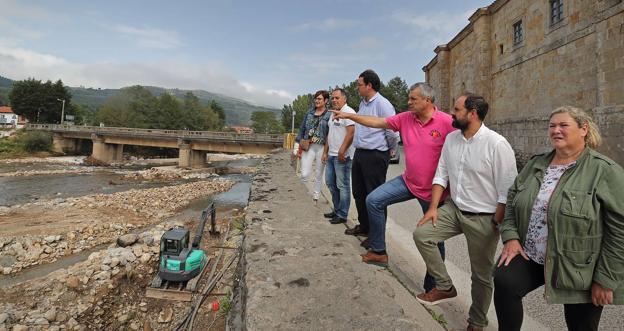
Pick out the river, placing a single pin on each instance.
(24, 189)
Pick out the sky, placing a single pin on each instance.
(265, 52)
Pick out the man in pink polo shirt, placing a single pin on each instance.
(423, 129)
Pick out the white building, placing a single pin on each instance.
(10, 120)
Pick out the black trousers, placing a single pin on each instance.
(513, 282)
(368, 171)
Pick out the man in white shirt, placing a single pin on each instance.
(479, 166)
(337, 156)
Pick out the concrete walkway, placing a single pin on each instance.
(302, 273)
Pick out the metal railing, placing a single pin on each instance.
(178, 134)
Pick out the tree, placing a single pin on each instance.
(265, 122)
(216, 107)
(301, 105)
(353, 96)
(133, 107)
(39, 102)
(82, 114)
(396, 91)
(168, 113)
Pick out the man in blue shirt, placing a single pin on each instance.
(372, 149)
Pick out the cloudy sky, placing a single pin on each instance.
(266, 52)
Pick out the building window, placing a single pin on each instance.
(556, 11)
(518, 32)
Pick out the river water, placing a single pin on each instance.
(24, 189)
(17, 190)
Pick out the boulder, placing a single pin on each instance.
(41, 321)
(104, 275)
(165, 315)
(146, 257)
(123, 318)
(50, 315)
(61, 317)
(127, 239)
(73, 282)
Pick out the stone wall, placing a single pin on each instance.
(578, 61)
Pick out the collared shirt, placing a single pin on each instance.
(422, 144)
(337, 133)
(478, 170)
(373, 138)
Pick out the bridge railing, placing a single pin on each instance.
(181, 134)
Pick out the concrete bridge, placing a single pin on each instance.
(108, 142)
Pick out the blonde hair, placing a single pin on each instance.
(593, 138)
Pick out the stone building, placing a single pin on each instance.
(528, 57)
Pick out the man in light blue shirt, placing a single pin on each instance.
(372, 149)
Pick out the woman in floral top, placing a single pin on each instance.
(564, 228)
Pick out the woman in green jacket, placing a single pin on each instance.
(564, 228)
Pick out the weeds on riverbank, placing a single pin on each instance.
(25, 144)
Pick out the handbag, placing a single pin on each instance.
(304, 144)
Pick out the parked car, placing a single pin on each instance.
(396, 158)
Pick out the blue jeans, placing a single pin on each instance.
(377, 202)
(338, 180)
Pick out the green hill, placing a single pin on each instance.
(237, 111)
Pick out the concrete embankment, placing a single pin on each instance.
(299, 272)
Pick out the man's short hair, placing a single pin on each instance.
(341, 90)
(371, 77)
(476, 102)
(426, 90)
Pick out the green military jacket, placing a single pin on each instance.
(585, 225)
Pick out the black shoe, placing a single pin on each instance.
(337, 220)
(356, 231)
(365, 243)
(330, 215)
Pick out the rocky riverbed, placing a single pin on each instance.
(120, 233)
(43, 231)
(106, 292)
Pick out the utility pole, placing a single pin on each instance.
(62, 110)
(292, 126)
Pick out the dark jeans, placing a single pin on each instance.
(368, 172)
(377, 202)
(520, 277)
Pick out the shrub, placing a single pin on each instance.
(36, 141)
(7, 146)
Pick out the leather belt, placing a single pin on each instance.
(469, 213)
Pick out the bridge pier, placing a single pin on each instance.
(64, 145)
(107, 153)
(191, 158)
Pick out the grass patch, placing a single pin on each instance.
(225, 305)
(438, 318)
(25, 143)
(238, 223)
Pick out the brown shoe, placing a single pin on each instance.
(436, 296)
(355, 231)
(373, 258)
(473, 328)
